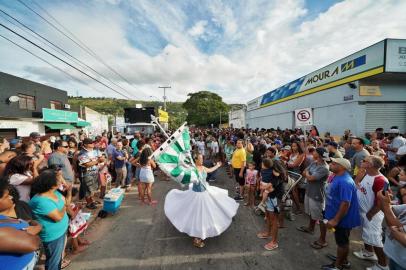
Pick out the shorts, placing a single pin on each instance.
(146, 175)
(371, 231)
(238, 179)
(313, 208)
(342, 236)
(272, 205)
(91, 182)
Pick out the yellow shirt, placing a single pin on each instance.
(238, 159)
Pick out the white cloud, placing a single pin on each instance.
(198, 29)
(264, 44)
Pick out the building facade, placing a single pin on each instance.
(27, 106)
(361, 92)
(236, 118)
(98, 122)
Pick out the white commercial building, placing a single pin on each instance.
(99, 122)
(236, 118)
(360, 92)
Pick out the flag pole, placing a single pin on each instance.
(154, 119)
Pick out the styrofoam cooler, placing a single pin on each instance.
(112, 200)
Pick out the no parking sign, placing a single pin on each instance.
(304, 117)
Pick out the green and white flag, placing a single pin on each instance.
(175, 159)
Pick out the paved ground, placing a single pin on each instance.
(141, 237)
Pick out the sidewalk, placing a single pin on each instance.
(93, 224)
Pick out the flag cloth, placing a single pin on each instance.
(175, 159)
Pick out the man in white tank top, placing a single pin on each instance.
(371, 215)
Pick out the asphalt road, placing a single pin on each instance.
(141, 237)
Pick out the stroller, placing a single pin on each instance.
(293, 179)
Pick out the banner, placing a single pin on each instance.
(163, 116)
(362, 64)
(175, 159)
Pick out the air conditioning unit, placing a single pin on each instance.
(66, 106)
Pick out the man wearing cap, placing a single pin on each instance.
(88, 160)
(333, 152)
(341, 214)
(316, 175)
(36, 138)
(370, 213)
(15, 144)
(397, 141)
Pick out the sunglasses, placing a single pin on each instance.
(65, 146)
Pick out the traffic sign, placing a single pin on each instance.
(304, 117)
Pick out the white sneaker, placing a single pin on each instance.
(377, 267)
(365, 255)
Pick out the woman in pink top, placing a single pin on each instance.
(20, 174)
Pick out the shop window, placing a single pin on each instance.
(26, 102)
(56, 105)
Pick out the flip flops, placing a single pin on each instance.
(317, 245)
(304, 229)
(271, 246)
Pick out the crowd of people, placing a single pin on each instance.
(46, 182)
(339, 182)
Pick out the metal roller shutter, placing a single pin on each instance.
(8, 133)
(385, 115)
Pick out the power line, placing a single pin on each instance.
(44, 60)
(78, 42)
(84, 65)
(95, 55)
(60, 59)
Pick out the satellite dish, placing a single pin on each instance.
(13, 98)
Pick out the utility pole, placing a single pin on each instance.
(164, 87)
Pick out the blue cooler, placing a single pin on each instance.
(112, 200)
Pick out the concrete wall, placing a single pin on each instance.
(391, 89)
(99, 121)
(330, 111)
(12, 86)
(24, 127)
(327, 105)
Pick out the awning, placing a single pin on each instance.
(59, 126)
(83, 124)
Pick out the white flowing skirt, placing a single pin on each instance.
(200, 214)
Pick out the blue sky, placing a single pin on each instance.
(238, 49)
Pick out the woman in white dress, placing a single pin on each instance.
(202, 211)
(147, 175)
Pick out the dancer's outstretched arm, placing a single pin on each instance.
(212, 169)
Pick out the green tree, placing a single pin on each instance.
(205, 108)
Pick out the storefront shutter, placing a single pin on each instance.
(385, 115)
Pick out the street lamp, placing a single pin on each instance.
(164, 87)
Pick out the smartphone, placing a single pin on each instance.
(385, 188)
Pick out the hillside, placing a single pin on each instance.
(116, 106)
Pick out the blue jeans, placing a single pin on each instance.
(129, 173)
(53, 252)
(395, 266)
